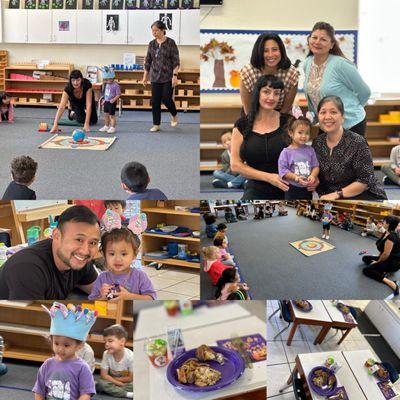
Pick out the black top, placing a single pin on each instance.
(161, 60)
(350, 161)
(392, 236)
(261, 152)
(79, 103)
(31, 274)
(17, 191)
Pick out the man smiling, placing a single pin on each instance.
(52, 268)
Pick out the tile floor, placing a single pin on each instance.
(175, 283)
(281, 357)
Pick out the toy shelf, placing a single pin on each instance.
(37, 92)
(220, 112)
(25, 328)
(3, 65)
(165, 213)
(135, 96)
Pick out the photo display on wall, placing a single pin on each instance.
(30, 4)
(112, 23)
(71, 4)
(144, 4)
(187, 3)
(13, 4)
(43, 4)
(87, 4)
(167, 19)
(130, 4)
(117, 4)
(57, 4)
(157, 4)
(104, 4)
(172, 4)
(224, 53)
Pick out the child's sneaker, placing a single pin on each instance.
(327, 237)
(111, 130)
(105, 128)
(323, 236)
(217, 183)
(387, 181)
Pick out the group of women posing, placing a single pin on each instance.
(269, 145)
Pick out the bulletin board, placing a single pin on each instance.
(224, 52)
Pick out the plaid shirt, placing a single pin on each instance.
(290, 77)
(161, 60)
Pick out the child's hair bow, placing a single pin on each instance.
(297, 113)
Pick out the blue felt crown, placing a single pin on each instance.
(108, 73)
(72, 321)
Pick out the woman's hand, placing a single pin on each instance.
(143, 82)
(311, 180)
(105, 289)
(303, 181)
(86, 128)
(275, 180)
(54, 129)
(330, 196)
(174, 81)
(311, 187)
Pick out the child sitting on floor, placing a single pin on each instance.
(281, 210)
(111, 95)
(23, 171)
(229, 216)
(221, 232)
(239, 294)
(228, 283)
(259, 212)
(392, 170)
(211, 228)
(225, 178)
(212, 264)
(240, 212)
(380, 230)
(135, 179)
(116, 376)
(6, 107)
(347, 223)
(370, 227)
(226, 258)
(86, 354)
(66, 376)
(120, 247)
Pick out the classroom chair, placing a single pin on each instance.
(393, 375)
(285, 314)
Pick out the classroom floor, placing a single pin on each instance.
(17, 384)
(272, 268)
(209, 192)
(281, 358)
(175, 283)
(168, 155)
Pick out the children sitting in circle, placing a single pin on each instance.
(298, 162)
(228, 283)
(116, 376)
(229, 216)
(111, 95)
(6, 108)
(222, 244)
(347, 224)
(211, 227)
(221, 232)
(66, 376)
(224, 177)
(392, 170)
(212, 263)
(120, 247)
(370, 227)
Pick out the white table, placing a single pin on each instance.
(154, 321)
(356, 359)
(151, 382)
(306, 362)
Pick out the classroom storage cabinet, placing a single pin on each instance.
(190, 27)
(39, 26)
(25, 327)
(64, 24)
(15, 26)
(110, 36)
(139, 23)
(88, 29)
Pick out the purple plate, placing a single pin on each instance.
(325, 390)
(231, 370)
(306, 309)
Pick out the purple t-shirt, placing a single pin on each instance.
(148, 194)
(64, 380)
(300, 161)
(111, 90)
(135, 281)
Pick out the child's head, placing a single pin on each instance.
(120, 247)
(226, 138)
(23, 170)
(220, 242)
(240, 294)
(64, 347)
(115, 337)
(222, 227)
(209, 219)
(5, 98)
(134, 177)
(228, 210)
(298, 130)
(108, 74)
(230, 275)
(117, 206)
(210, 253)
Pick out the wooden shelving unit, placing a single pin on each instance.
(25, 329)
(30, 92)
(3, 65)
(218, 115)
(169, 216)
(135, 96)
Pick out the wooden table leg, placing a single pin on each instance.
(291, 334)
(322, 335)
(344, 336)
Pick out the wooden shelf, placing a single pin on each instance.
(172, 261)
(161, 210)
(186, 239)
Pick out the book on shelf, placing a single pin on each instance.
(209, 163)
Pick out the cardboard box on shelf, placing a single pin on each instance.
(23, 100)
(131, 91)
(189, 92)
(146, 102)
(33, 100)
(181, 92)
(133, 102)
(184, 104)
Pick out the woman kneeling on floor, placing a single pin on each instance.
(388, 260)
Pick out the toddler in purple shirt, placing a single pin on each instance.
(120, 247)
(298, 162)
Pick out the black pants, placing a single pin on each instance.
(377, 271)
(162, 92)
(298, 193)
(359, 128)
(80, 114)
(4, 116)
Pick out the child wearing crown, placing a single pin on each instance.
(111, 95)
(65, 376)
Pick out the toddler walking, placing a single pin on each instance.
(111, 95)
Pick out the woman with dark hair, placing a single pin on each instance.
(161, 67)
(329, 73)
(346, 167)
(388, 259)
(269, 58)
(257, 141)
(79, 94)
